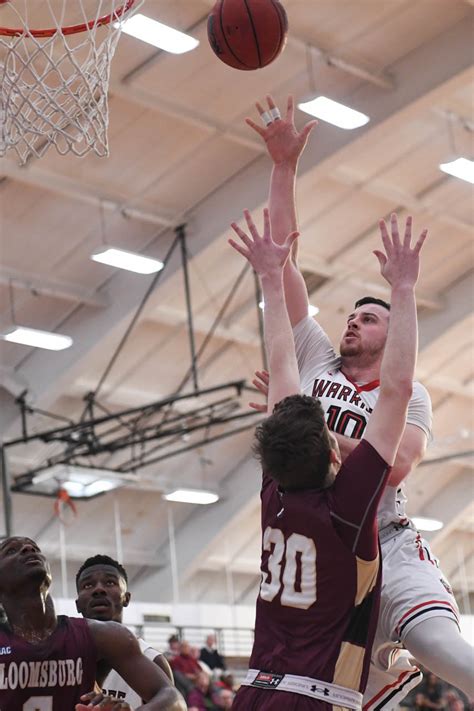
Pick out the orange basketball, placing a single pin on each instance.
(247, 34)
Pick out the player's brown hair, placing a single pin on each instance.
(293, 444)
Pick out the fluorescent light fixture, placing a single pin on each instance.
(334, 112)
(79, 482)
(131, 261)
(312, 310)
(37, 339)
(159, 35)
(192, 496)
(81, 489)
(462, 168)
(427, 524)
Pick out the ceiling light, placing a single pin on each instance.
(427, 524)
(192, 496)
(79, 482)
(462, 168)
(312, 310)
(37, 339)
(82, 489)
(131, 261)
(158, 34)
(334, 112)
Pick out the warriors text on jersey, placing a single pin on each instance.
(318, 602)
(349, 405)
(47, 676)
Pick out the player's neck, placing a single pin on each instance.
(31, 615)
(360, 370)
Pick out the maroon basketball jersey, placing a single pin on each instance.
(51, 675)
(318, 601)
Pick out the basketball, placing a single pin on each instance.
(247, 34)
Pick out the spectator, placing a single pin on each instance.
(195, 653)
(185, 663)
(432, 691)
(225, 681)
(453, 701)
(210, 655)
(201, 697)
(173, 647)
(223, 698)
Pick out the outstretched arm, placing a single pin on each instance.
(268, 260)
(117, 646)
(285, 145)
(399, 264)
(410, 451)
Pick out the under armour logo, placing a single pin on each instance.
(321, 690)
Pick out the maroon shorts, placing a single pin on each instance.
(251, 699)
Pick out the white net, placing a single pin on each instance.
(53, 89)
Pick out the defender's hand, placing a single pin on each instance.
(266, 257)
(400, 263)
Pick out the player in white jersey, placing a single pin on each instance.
(418, 609)
(102, 593)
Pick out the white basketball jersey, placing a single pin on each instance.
(348, 405)
(117, 688)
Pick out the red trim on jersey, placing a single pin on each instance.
(363, 388)
(424, 604)
(419, 545)
(386, 688)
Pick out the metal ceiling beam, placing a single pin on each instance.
(68, 187)
(52, 287)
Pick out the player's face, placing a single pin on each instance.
(365, 332)
(22, 562)
(102, 593)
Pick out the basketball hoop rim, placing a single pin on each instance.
(70, 29)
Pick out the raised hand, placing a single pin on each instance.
(266, 257)
(400, 263)
(284, 142)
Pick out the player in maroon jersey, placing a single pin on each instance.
(317, 607)
(48, 663)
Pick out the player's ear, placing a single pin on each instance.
(126, 599)
(335, 457)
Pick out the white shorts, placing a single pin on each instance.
(413, 589)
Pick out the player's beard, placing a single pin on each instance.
(355, 349)
(349, 350)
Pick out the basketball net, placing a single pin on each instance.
(54, 82)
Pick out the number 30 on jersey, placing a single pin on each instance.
(298, 578)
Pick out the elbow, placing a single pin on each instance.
(406, 388)
(401, 389)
